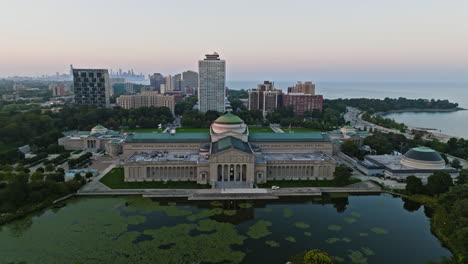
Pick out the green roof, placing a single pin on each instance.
(230, 142)
(99, 127)
(424, 154)
(166, 137)
(83, 133)
(288, 137)
(229, 119)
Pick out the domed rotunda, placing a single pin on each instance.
(229, 125)
(423, 158)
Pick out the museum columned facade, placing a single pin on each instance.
(227, 156)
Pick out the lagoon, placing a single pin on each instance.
(129, 229)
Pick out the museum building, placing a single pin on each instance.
(227, 156)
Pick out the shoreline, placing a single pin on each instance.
(422, 110)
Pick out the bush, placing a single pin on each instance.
(439, 182)
(414, 185)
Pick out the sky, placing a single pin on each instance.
(334, 40)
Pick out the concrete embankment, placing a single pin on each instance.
(237, 194)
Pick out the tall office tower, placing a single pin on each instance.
(265, 98)
(190, 79)
(178, 82)
(306, 88)
(91, 87)
(156, 80)
(169, 84)
(211, 83)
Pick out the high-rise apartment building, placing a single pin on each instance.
(60, 89)
(265, 98)
(156, 80)
(91, 87)
(211, 84)
(146, 99)
(305, 88)
(303, 99)
(190, 79)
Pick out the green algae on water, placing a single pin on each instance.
(367, 251)
(272, 243)
(301, 225)
(259, 229)
(379, 230)
(334, 227)
(350, 220)
(229, 212)
(332, 240)
(287, 212)
(307, 234)
(357, 257)
(245, 205)
(290, 239)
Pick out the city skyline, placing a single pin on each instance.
(421, 40)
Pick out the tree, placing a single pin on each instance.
(439, 182)
(342, 175)
(462, 177)
(414, 185)
(317, 256)
(88, 175)
(77, 176)
(49, 167)
(350, 148)
(40, 169)
(456, 164)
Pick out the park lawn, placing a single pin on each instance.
(260, 130)
(300, 130)
(144, 130)
(303, 183)
(192, 130)
(5, 148)
(114, 179)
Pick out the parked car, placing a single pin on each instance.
(274, 187)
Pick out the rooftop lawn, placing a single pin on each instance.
(303, 183)
(260, 130)
(192, 130)
(144, 130)
(114, 179)
(300, 130)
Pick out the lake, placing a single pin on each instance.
(453, 123)
(359, 229)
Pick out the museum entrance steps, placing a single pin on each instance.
(231, 185)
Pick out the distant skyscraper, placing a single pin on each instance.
(91, 87)
(178, 82)
(190, 79)
(169, 84)
(265, 98)
(212, 79)
(156, 80)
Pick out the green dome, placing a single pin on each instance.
(423, 154)
(229, 119)
(99, 127)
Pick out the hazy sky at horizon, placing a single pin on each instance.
(369, 40)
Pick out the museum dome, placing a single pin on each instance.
(229, 118)
(99, 129)
(423, 158)
(229, 123)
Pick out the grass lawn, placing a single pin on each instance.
(192, 130)
(114, 179)
(260, 130)
(144, 130)
(300, 130)
(303, 183)
(4, 148)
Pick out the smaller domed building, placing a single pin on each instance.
(420, 162)
(99, 138)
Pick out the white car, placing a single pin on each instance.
(275, 187)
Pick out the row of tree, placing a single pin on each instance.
(388, 104)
